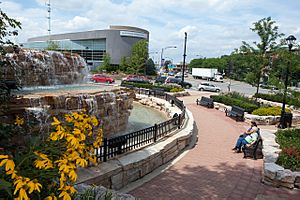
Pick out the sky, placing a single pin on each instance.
(214, 27)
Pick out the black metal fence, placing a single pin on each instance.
(135, 140)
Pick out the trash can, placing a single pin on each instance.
(287, 119)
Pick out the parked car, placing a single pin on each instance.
(96, 78)
(208, 87)
(171, 73)
(179, 75)
(178, 81)
(136, 79)
(160, 79)
(271, 87)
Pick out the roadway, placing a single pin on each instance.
(236, 86)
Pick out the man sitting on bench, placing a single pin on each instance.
(249, 138)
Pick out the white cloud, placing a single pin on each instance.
(214, 27)
(77, 23)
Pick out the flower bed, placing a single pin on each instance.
(278, 165)
(289, 141)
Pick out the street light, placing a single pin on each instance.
(162, 53)
(283, 118)
(184, 55)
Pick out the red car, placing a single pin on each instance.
(102, 78)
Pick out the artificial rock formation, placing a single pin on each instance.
(112, 108)
(29, 67)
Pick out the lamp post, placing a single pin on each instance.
(283, 121)
(162, 53)
(184, 55)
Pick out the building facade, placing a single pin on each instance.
(117, 41)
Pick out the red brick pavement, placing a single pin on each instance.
(211, 170)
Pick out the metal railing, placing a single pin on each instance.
(121, 144)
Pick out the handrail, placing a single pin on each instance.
(121, 144)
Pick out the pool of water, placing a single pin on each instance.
(64, 88)
(142, 117)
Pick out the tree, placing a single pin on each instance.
(6, 26)
(139, 56)
(124, 63)
(150, 67)
(268, 34)
(52, 45)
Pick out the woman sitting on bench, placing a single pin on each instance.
(250, 130)
(249, 137)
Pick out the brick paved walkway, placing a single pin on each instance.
(211, 170)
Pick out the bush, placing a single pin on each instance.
(241, 97)
(249, 107)
(273, 111)
(166, 88)
(177, 89)
(289, 141)
(46, 167)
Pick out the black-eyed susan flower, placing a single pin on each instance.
(9, 163)
(19, 121)
(55, 122)
(51, 197)
(34, 185)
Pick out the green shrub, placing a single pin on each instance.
(177, 89)
(241, 97)
(249, 107)
(266, 111)
(289, 141)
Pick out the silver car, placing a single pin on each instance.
(208, 87)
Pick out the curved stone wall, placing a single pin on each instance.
(260, 120)
(112, 108)
(119, 172)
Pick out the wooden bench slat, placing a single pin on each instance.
(205, 101)
(236, 112)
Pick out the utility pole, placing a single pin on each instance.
(184, 55)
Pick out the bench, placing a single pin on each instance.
(255, 150)
(205, 101)
(236, 112)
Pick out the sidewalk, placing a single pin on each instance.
(211, 170)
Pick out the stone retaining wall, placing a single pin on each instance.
(119, 172)
(274, 174)
(260, 120)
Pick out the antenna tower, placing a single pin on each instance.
(49, 17)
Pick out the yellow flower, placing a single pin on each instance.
(73, 176)
(94, 121)
(68, 118)
(9, 164)
(3, 156)
(45, 163)
(51, 197)
(19, 121)
(23, 194)
(65, 196)
(34, 185)
(81, 162)
(19, 183)
(55, 122)
(75, 115)
(13, 173)
(72, 140)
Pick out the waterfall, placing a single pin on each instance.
(31, 67)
